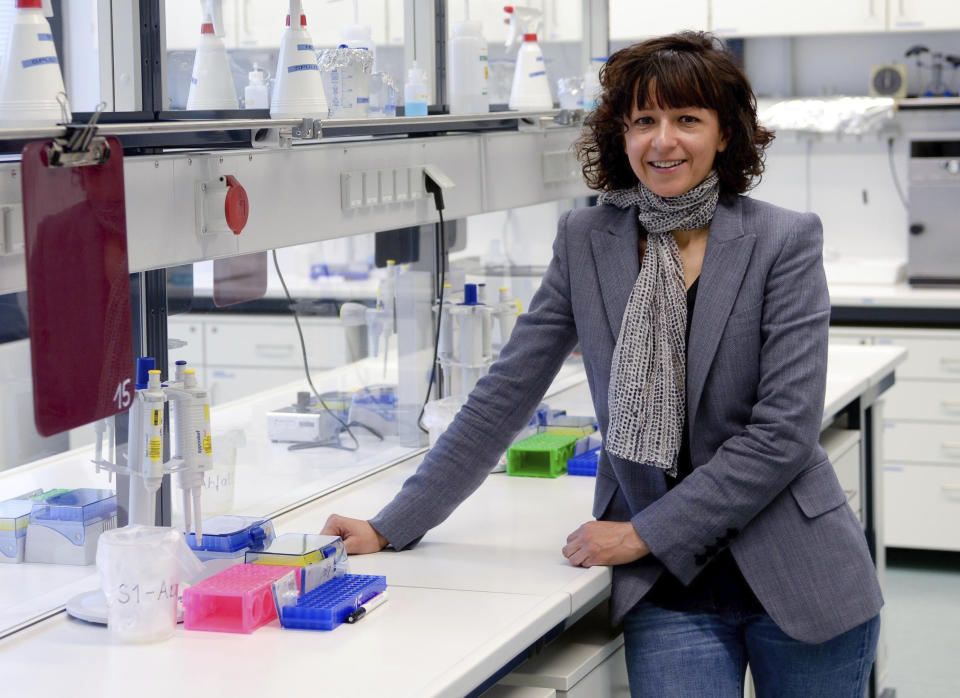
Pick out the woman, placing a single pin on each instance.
(702, 316)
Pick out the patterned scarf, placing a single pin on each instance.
(647, 399)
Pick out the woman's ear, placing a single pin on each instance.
(724, 140)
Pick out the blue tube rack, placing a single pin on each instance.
(585, 463)
(329, 604)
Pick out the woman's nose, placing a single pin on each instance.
(665, 137)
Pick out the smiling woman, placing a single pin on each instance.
(706, 431)
(656, 75)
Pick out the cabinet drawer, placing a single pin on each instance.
(273, 344)
(843, 449)
(922, 506)
(923, 400)
(917, 441)
(933, 357)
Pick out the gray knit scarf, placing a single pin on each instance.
(647, 398)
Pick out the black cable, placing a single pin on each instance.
(441, 245)
(893, 173)
(306, 369)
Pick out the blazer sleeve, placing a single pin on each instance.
(692, 522)
(499, 406)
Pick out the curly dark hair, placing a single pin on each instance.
(689, 69)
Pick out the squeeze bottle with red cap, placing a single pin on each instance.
(531, 89)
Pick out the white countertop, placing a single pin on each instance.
(889, 295)
(478, 590)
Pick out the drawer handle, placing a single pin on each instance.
(274, 350)
(950, 364)
(950, 404)
(951, 445)
(951, 488)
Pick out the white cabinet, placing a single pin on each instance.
(765, 18)
(924, 15)
(636, 19)
(237, 355)
(921, 437)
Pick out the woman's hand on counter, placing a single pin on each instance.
(604, 543)
(358, 535)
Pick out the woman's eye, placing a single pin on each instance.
(688, 119)
(643, 121)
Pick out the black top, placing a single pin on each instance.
(719, 586)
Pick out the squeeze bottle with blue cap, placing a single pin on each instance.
(416, 92)
(256, 95)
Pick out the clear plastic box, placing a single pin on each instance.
(66, 524)
(298, 550)
(231, 536)
(14, 517)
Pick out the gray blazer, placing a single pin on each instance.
(761, 484)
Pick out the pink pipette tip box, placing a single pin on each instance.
(237, 600)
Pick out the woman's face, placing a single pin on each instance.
(672, 150)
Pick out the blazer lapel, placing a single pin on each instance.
(617, 256)
(724, 264)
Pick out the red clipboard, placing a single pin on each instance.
(78, 289)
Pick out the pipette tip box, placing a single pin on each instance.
(329, 604)
(65, 525)
(541, 455)
(231, 536)
(14, 517)
(585, 463)
(298, 550)
(237, 600)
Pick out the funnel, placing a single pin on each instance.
(30, 81)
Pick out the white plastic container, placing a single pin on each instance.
(468, 70)
(438, 414)
(256, 95)
(297, 86)
(30, 78)
(211, 84)
(141, 569)
(416, 92)
(530, 90)
(359, 36)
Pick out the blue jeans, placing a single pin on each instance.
(692, 655)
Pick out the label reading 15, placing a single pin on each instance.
(123, 396)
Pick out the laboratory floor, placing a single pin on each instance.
(923, 623)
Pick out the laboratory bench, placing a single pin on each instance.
(466, 605)
(920, 452)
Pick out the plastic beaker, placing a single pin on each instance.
(141, 569)
(346, 81)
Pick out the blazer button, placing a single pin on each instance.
(700, 560)
(732, 532)
(710, 550)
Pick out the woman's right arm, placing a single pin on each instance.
(499, 406)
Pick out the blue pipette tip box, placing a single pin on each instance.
(14, 517)
(65, 525)
(232, 534)
(329, 604)
(585, 463)
(80, 506)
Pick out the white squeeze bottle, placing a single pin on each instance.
(468, 67)
(416, 93)
(256, 95)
